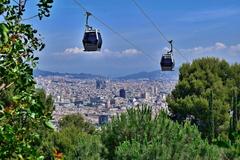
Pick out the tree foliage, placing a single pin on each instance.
(137, 134)
(25, 112)
(75, 140)
(78, 121)
(21, 110)
(74, 144)
(190, 98)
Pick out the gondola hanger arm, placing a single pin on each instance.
(88, 14)
(171, 46)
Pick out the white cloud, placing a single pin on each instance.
(74, 50)
(126, 52)
(103, 52)
(217, 47)
(129, 52)
(78, 51)
(235, 48)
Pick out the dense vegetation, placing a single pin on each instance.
(136, 134)
(76, 139)
(207, 94)
(22, 111)
(205, 104)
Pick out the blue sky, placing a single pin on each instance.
(198, 28)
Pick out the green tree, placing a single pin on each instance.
(76, 139)
(46, 101)
(189, 100)
(138, 135)
(78, 121)
(211, 117)
(235, 111)
(21, 112)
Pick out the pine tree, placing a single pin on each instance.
(235, 118)
(211, 117)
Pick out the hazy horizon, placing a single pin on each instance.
(117, 76)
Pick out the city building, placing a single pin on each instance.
(103, 119)
(82, 96)
(122, 93)
(101, 84)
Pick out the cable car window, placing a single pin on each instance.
(90, 37)
(167, 61)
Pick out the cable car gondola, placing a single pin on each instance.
(92, 39)
(167, 61)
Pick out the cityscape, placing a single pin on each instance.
(98, 100)
(119, 80)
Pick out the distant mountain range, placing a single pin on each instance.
(42, 73)
(154, 75)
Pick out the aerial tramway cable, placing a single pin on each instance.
(116, 33)
(157, 28)
(120, 35)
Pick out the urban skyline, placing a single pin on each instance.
(94, 98)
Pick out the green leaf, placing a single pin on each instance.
(4, 33)
(40, 158)
(20, 157)
(15, 98)
(50, 125)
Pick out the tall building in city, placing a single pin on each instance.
(103, 119)
(101, 84)
(154, 90)
(122, 93)
(145, 95)
(108, 104)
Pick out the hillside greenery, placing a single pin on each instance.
(138, 134)
(204, 107)
(76, 139)
(207, 95)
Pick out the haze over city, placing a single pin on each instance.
(120, 79)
